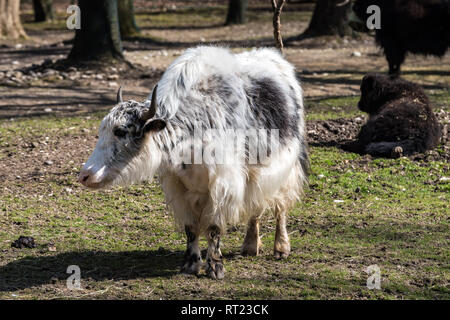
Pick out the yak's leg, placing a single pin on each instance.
(395, 58)
(252, 242)
(214, 266)
(282, 247)
(192, 257)
(392, 149)
(394, 69)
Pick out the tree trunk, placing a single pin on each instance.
(329, 19)
(128, 26)
(236, 12)
(10, 25)
(43, 10)
(99, 36)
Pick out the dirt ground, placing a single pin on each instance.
(48, 124)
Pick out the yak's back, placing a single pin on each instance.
(218, 89)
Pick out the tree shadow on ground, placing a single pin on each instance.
(64, 100)
(428, 72)
(145, 43)
(186, 27)
(48, 50)
(355, 82)
(96, 265)
(328, 80)
(363, 72)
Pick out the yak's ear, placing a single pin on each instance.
(154, 125)
(368, 83)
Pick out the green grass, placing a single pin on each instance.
(209, 16)
(346, 107)
(440, 99)
(37, 128)
(58, 23)
(331, 108)
(185, 16)
(124, 241)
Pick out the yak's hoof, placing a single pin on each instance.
(192, 265)
(397, 152)
(251, 248)
(191, 269)
(280, 255)
(250, 251)
(215, 270)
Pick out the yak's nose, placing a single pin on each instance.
(89, 179)
(84, 176)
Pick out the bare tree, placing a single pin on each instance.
(10, 25)
(277, 6)
(237, 12)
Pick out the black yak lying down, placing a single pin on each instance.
(401, 121)
(416, 26)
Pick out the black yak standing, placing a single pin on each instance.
(416, 26)
(401, 121)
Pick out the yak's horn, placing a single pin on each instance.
(153, 106)
(119, 95)
(342, 3)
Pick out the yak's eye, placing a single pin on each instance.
(120, 133)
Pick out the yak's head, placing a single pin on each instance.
(376, 89)
(125, 151)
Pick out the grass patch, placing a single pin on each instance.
(440, 99)
(331, 108)
(191, 16)
(210, 16)
(58, 23)
(35, 128)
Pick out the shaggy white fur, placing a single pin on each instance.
(211, 88)
(208, 194)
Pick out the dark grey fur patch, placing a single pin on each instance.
(269, 105)
(190, 255)
(191, 236)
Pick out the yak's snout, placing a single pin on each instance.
(84, 177)
(95, 180)
(88, 179)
